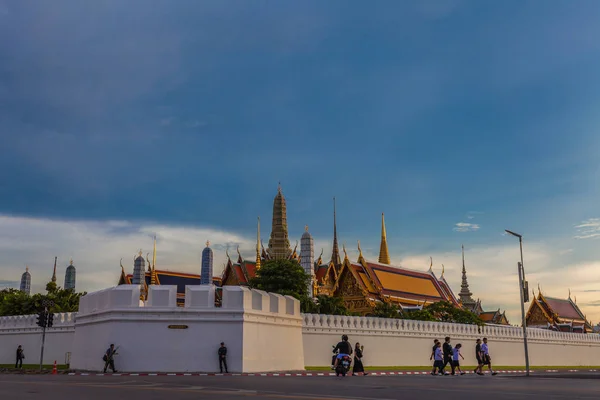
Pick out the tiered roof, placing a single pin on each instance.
(559, 314)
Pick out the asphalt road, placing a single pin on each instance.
(49, 387)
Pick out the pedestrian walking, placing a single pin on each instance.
(109, 358)
(439, 360)
(456, 359)
(487, 360)
(223, 357)
(358, 366)
(448, 354)
(20, 357)
(479, 355)
(435, 343)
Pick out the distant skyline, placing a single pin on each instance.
(456, 119)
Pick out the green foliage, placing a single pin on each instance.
(386, 310)
(443, 311)
(285, 277)
(15, 302)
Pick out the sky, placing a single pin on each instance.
(457, 119)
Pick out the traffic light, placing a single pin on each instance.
(41, 319)
(50, 320)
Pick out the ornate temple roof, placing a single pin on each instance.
(179, 279)
(559, 314)
(401, 285)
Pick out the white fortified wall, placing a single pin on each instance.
(22, 330)
(394, 342)
(257, 328)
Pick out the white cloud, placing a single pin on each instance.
(465, 227)
(588, 229)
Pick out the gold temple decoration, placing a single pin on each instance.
(345, 254)
(360, 255)
(443, 268)
(258, 245)
(153, 269)
(430, 264)
(384, 255)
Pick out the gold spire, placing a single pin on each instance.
(320, 259)
(335, 253)
(345, 254)
(140, 253)
(258, 245)
(384, 255)
(26, 268)
(71, 261)
(360, 256)
(207, 243)
(153, 269)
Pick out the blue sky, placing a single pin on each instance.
(188, 113)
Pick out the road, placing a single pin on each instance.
(55, 387)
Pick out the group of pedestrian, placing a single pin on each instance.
(444, 354)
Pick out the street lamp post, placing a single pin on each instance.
(522, 290)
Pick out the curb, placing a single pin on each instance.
(301, 374)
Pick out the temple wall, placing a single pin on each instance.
(391, 342)
(262, 331)
(253, 324)
(22, 330)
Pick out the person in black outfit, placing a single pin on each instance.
(109, 360)
(343, 347)
(447, 348)
(478, 353)
(358, 365)
(223, 357)
(20, 357)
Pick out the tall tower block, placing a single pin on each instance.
(206, 274)
(26, 281)
(307, 255)
(279, 243)
(70, 276)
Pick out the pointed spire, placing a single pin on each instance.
(360, 255)
(153, 268)
(443, 270)
(279, 243)
(258, 244)
(345, 254)
(71, 261)
(240, 259)
(430, 264)
(335, 253)
(569, 294)
(320, 259)
(465, 294)
(384, 255)
(54, 272)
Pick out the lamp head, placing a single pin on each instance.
(513, 233)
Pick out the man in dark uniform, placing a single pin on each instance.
(448, 354)
(223, 357)
(20, 357)
(109, 360)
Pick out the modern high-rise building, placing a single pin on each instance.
(26, 281)
(70, 276)
(206, 273)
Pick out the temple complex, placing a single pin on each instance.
(556, 314)
(153, 276)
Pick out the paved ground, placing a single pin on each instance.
(48, 387)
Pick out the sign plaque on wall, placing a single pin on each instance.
(177, 326)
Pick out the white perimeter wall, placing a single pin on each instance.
(391, 342)
(262, 331)
(256, 327)
(22, 330)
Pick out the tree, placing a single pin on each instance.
(285, 277)
(15, 302)
(443, 311)
(386, 310)
(331, 305)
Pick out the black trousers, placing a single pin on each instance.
(19, 363)
(448, 360)
(111, 364)
(223, 363)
